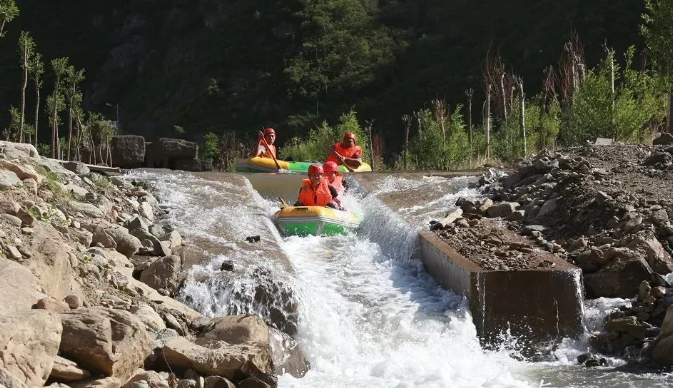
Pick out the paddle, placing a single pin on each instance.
(283, 202)
(349, 168)
(270, 153)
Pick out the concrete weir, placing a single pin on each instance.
(536, 306)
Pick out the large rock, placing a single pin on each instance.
(8, 179)
(105, 340)
(8, 380)
(23, 171)
(238, 329)
(128, 151)
(217, 358)
(163, 273)
(620, 278)
(18, 150)
(656, 255)
(65, 370)
(18, 287)
(51, 262)
(87, 209)
(29, 342)
(166, 152)
(116, 237)
(663, 351)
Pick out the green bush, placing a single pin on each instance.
(320, 138)
(637, 100)
(210, 147)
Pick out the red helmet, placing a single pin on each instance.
(315, 169)
(269, 131)
(349, 135)
(330, 166)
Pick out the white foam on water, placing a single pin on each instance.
(370, 315)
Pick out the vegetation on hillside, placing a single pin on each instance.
(426, 84)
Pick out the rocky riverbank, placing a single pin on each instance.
(88, 272)
(607, 210)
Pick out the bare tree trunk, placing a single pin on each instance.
(613, 120)
(488, 121)
(522, 119)
(407, 124)
(469, 93)
(37, 109)
(23, 92)
(78, 137)
(54, 131)
(504, 96)
(70, 125)
(670, 111)
(368, 127)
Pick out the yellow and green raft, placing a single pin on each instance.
(314, 220)
(258, 164)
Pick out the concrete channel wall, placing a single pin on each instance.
(538, 306)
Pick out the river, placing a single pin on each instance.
(370, 315)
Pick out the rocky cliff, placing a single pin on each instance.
(87, 275)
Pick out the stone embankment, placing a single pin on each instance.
(606, 209)
(88, 272)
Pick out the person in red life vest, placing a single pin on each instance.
(268, 139)
(345, 152)
(315, 191)
(334, 178)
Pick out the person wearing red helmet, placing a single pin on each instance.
(335, 179)
(315, 191)
(345, 152)
(265, 147)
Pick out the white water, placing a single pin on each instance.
(370, 316)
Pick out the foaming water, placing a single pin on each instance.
(368, 320)
(369, 316)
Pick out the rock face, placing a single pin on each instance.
(166, 153)
(106, 340)
(216, 358)
(607, 210)
(29, 342)
(18, 288)
(128, 151)
(73, 246)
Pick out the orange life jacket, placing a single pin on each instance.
(345, 152)
(338, 184)
(265, 154)
(318, 197)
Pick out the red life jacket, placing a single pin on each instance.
(345, 152)
(338, 184)
(271, 149)
(318, 197)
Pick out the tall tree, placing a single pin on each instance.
(658, 32)
(27, 51)
(340, 48)
(8, 11)
(36, 71)
(55, 102)
(72, 79)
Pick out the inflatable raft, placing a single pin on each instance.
(257, 164)
(314, 220)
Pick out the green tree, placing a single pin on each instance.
(658, 32)
(211, 146)
(8, 11)
(340, 50)
(26, 52)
